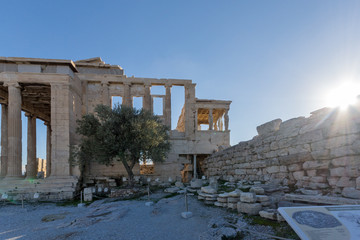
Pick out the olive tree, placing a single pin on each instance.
(122, 134)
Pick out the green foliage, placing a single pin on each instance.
(121, 134)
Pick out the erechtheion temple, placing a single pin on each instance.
(59, 92)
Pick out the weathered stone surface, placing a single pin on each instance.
(249, 208)
(257, 190)
(269, 127)
(196, 183)
(298, 175)
(248, 197)
(351, 192)
(209, 190)
(262, 198)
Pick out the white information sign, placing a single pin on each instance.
(324, 222)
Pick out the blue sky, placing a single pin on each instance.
(273, 59)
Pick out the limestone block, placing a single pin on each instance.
(352, 171)
(222, 200)
(196, 183)
(308, 191)
(240, 171)
(272, 169)
(257, 190)
(269, 127)
(249, 208)
(295, 167)
(358, 183)
(309, 137)
(318, 179)
(316, 165)
(233, 199)
(268, 214)
(262, 198)
(337, 172)
(346, 161)
(208, 189)
(179, 184)
(248, 197)
(320, 154)
(351, 192)
(298, 175)
(333, 180)
(235, 193)
(345, 182)
(341, 151)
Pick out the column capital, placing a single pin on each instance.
(12, 84)
(147, 84)
(127, 83)
(47, 124)
(168, 85)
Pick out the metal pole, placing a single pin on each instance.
(186, 201)
(81, 196)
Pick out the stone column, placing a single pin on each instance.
(190, 111)
(195, 170)
(147, 97)
(60, 127)
(105, 93)
(211, 121)
(4, 140)
(167, 109)
(14, 131)
(127, 101)
(48, 149)
(226, 120)
(31, 169)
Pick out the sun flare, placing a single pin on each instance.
(344, 95)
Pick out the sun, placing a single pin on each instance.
(343, 95)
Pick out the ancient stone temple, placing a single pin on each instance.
(59, 92)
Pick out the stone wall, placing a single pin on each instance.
(321, 152)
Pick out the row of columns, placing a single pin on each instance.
(147, 103)
(11, 138)
(211, 120)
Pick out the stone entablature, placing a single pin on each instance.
(321, 152)
(60, 91)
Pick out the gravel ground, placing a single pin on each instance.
(109, 219)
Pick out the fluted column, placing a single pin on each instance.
(147, 97)
(211, 120)
(31, 169)
(4, 140)
(14, 131)
(127, 101)
(48, 149)
(167, 109)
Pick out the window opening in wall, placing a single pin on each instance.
(177, 103)
(116, 100)
(157, 90)
(138, 102)
(158, 106)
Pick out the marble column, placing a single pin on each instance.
(48, 149)
(147, 97)
(105, 93)
(4, 140)
(31, 169)
(211, 121)
(167, 109)
(127, 100)
(14, 131)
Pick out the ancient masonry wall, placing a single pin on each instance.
(321, 152)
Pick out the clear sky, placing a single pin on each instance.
(273, 59)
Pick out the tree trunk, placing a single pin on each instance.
(129, 172)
